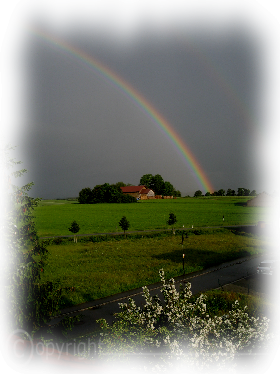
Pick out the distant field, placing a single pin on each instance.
(53, 217)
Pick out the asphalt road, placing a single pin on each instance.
(201, 281)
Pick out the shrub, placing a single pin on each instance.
(181, 329)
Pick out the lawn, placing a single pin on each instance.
(101, 269)
(53, 217)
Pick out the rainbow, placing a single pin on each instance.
(138, 99)
(227, 86)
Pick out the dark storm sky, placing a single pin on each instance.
(79, 130)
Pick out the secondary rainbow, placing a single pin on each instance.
(138, 99)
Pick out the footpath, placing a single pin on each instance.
(201, 281)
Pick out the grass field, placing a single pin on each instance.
(53, 217)
(97, 270)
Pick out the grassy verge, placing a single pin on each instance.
(99, 269)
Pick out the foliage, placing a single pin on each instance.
(122, 184)
(124, 224)
(168, 189)
(14, 200)
(104, 193)
(172, 220)
(243, 192)
(25, 302)
(182, 330)
(158, 185)
(74, 228)
(146, 180)
(230, 192)
(197, 193)
(85, 196)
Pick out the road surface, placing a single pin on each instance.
(201, 281)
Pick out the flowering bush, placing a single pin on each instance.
(181, 330)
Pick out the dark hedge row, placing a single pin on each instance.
(104, 193)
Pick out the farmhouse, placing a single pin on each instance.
(139, 192)
(262, 199)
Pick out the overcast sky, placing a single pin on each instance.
(205, 74)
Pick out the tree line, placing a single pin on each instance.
(112, 193)
(230, 192)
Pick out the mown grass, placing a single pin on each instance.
(100, 269)
(53, 217)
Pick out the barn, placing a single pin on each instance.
(139, 192)
(263, 199)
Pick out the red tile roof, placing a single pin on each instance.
(145, 191)
(131, 189)
(33, 357)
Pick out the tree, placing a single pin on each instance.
(221, 192)
(146, 180)
(85, 196)
(14, 200)
(246, 192)
(124, 224)
(208, 194)
(25, 301)
(243, 192)
(157, 184)
(168, 189)
(181, 329)
(230, 192)
(121, 184)
(171, 221)
(197, 193)
(74, 228)
(177, 193)
(253, 193)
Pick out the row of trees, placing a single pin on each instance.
(75, 227)
(230, 192)
(105, 193)
(158, 185)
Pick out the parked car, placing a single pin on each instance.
(266, 267)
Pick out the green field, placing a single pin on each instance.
(101, 269)
(53, 217)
